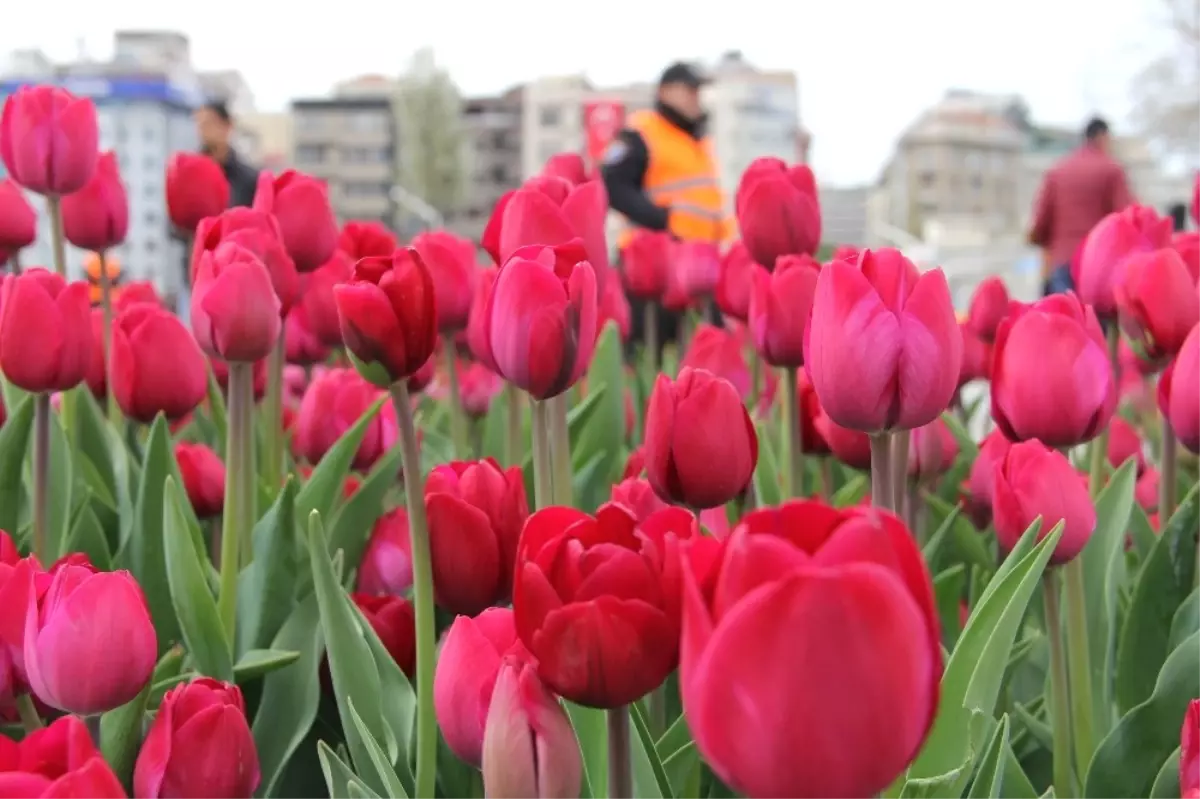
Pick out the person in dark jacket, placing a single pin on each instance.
(215, 126)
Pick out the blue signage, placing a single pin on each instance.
(103, 89)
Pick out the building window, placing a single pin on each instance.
(550, 116)
(367, 122)
(310, 153)
(926, 179)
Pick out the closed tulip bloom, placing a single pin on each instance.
(258, 232)
(529, 745)
(476, 511)
(637, 495)
(701, 447)
(318, 300)
(1032, 480)
(1189, 741)
(733, 287)
(819, 635)
(1124, 442)
(989, 304)
(421, 378)
(392, 619)
(1145, 490)
(18, 220)
(49, 139)
(477, 386)
(1051, 378)
(135, 292)
(451, 262)
(1107, 248)
(717, 350)
(333, 403)
(982, 477)
(568, 166)
(976, 358)
(479, 320)
(780, 305)
(467, 666)
(196, 188)
(777, 210)
(389, 316)
(542, 318)
(1157, 302)
(97, 216)
(199, 745)
(157, 367)
(45, 331)
(697, 267)
(386, 567)
(932, 451)
(234, 309)
(97, 376)
(884, 349)
(810, 411)
(614, 308)
(301, 345)
(203, 475)
(367, 239)
(596, 600)
(57, 761)
(851, 447)
(644, 263)
(1179, 393)
(1187, 244)
(300, 204)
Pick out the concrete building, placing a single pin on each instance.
(144, 98)
(491, 128)
(844, 214)
(271, 136)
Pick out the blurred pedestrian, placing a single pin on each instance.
(214, 124)
(660, 174)
(1079, 191)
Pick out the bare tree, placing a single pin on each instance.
(429, 111)
(1167, 90)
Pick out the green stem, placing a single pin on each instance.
(1167, 476)
(1079, 665)
(881, 467)
(794, 463)
(755, 380)
(899, 471)
(422, 570)
(273, 438)
(58, 239)
(41, 477)
(514, 441)
(620, 773)
(458, 420)
(543, 469)
(1060, 718)
(239, 482)
(30, 719)
(110, 396)
(650, 329)
(560, 449)
(1099, 446)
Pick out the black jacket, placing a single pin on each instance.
(243, 180)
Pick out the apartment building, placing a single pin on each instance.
(491, 142)
(269, 135)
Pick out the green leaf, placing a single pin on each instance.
(1165, 581)
(1143, 535)
(967, 447)
(1166, 784)
(338, 776)
(607, 424)
(1127, 762)
(352, 524)
(766, 475)
(947, 593)
(649, 777)
(379, 762)
(126, 474)
(87, 536)
(14, 443)
(323, 489)
(934, 545)
(62, 490)
(399, 702)
(195, 607)
(1016, 781)
(121, 734)
(1186, 620)
(260, 662)
(675, 738)
(290, 696)
(852, 492)
(92, 440)
(974, 674)
(591, 728)
(967, 541)
(266, 585)
(989, 777)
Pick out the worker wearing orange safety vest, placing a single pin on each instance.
(660, 173)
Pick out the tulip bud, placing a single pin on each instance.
(883, 350)
(1124, 442)
(637, 495)
(1145, 491)
(1107, 248)
(644, 263)
(332, 404)
(477, 386)
(701, 447)
(982, 477)
(97, 375)
(976, 358)
(614, 308)
(932, 451)
(851, 447)
(1032, 480)
(542, 318)
(135, 292)
(49, 139)
(386, 567)
(697, 267)
(235, 312)
(196, 188)
(45, 331)
(1179, 392)
(301, 345)
(1157, 302)
(258, 232)
(300, 205)
(451, 262)
(467, 666)
(989, 304)
(57, 761)
(366, 240)
(780, 306)
(733, 287)
(478, 320)
(392, 619)
(568, 166)
(1189, 736)
(717, 350)
(18, 220)
(199, 745)
(203, 475)
(777, 210)
(1187, 244)
(318, 301)
(388, 316)
(1051, 377)
(97, 216)
(157, 366)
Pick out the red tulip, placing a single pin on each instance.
(388, 316)
(157, 367)
(780, 305)
(701, 447)
(1145, 491)
(1108, 246)
(1051, 378)
(645, 262)
(386, 567)
(1032, 480)
(846, 252)
(467, 666)
(716, 350)
(203, 475)
(821, 636)
(529, 745)
(97, 376)
(135, 292)
(568, 166)
(476, 511)
(1157, 302)
(614, 308)
(883, 350)
(301, 345)
(477, 387)
(606, 639)
(851, 447)
(932, 451)
(810, 411)
(733, 288)
(1187, 244)
(1179, 392)
(1189, 734)
(982, 476)
(478, 319)
(777, 210)
(199, 745)
(97, 216)
(49, 139)
(57, 761)
(451, 262)
(318, 301)
(1124, 442)
(675, 297)
(220, 371)
(196, 189)
(258, 232)
(989, 304)
(392, 619)
(300, 205)
(18, 220)
(45, 331)
(976, 358)
(235, 311)
(332, 405)
(697, 266)
(366, 240)
(542, 317)
(637, 495)
(424, 376)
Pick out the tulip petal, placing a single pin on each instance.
(509, 762)
(465, 555)
(463, 685)
(528, 327)
(931, 352)
(530, 217)
(155, 754)
(31, 335)
(711, 461)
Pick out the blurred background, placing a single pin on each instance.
(929, 123)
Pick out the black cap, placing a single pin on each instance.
(679, 72)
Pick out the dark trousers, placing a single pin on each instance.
(1059, 282)
(668, 326)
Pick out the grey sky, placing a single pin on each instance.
(866, 67)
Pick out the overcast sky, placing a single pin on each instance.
(866, 67)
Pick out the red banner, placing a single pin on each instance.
(602, 121)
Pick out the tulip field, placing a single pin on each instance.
(383, 521)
